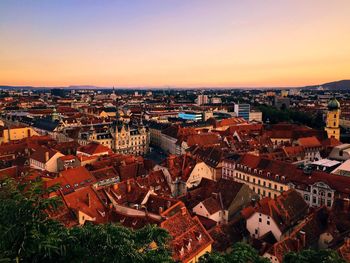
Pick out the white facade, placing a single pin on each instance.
(202, 211)
(201, 170)
(259, 224)
(50, 165)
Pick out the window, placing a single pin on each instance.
(259, 182)
(281, 188)
(314, 200)
(329, 195)
(329, 203)
(268, 222)
(260, 220)
(275, 186)
(306, 197)
(256, 231)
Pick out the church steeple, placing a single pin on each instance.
(332, 122)
(55, 116)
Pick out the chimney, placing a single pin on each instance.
(183, 211)
(115, 187)
(128, 186)
(160, 210)
(168, 204)
(302, 236)
(47, 156)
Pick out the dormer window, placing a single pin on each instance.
(182, 251)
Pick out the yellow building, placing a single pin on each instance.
(16, 133)
(332, 121)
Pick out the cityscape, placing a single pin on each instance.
(202, 145)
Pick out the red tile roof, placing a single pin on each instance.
(204, 139)
(40, 154)
(189, 237)
(309, 142)
(287, 209)
(73, 179)
(88, 202)
(94, 148)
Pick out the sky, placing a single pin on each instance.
(177, 43)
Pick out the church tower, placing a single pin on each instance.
(332, 121)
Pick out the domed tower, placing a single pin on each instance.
(332, 121)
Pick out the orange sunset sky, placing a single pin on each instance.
(186, 43)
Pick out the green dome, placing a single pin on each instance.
(333, 104)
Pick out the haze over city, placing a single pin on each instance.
(197, 43)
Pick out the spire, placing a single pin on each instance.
(141, 122)
(54, 116)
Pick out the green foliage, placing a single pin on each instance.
(275, 116)
(28, 235)
(241, 253)
(313, 256)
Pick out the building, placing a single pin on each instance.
(189, 240)
(242, 110)
(332, 120)
(255, 116)
(67, 162)
(202, 99)
(45, 159)
(219, 201)
(121, 138)
(277, 216)
(131, 140)
(340, 152)
(191, 115)
(15, 133)
(270, 178)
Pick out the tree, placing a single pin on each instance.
(241, 253)
(313, 256)
(27, 234)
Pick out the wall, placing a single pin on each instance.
(253, 224)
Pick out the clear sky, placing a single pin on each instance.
(174, 42)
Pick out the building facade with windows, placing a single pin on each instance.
(242, 110)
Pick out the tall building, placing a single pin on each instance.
(202, 99)
(332, 121)
(242, 110)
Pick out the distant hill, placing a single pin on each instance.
(338, 85)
